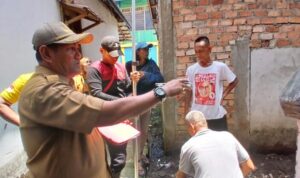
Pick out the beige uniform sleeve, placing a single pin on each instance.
(56, 104)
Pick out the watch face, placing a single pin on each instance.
(160, 91)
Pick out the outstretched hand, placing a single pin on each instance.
(176, 87)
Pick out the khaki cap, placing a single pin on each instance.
(58, 33)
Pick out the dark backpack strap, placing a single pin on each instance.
(97, 65)
(111, 81)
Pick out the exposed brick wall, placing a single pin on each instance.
(266, 23)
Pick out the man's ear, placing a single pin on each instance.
(45, 53)
(101, 50)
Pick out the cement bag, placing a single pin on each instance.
(290, 97)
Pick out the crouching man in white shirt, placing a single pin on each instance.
(212, 154)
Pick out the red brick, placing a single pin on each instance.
(296, 43)
(190, 52)
(287, 28)
(226, 7)
(228, 48)
(281, 20)
(222, 56)
(226, 22)
(255, 43)
(180, 73)
(212, 37)
(175, 12)
(217, 49)
(226, 37)
(245, 13)
(216, 15)
(230, 14)
(295, 5)
(231, 29)
(199, 24)
(217, 30)
(272, 28)
(282, 5)
(179, 32)
(252, 6)
(191, 44)
(268, 20)
(245, 27)
(293, 35)
(253, 21)
(239, 21)
(287, 13)
(177, 5)
(200, 9)
(181, 66)
(203, 2)
(190, 17)
(178, 18)
(185, 11)
(232, 1)
(282, 42)
(183, 59)
(280, 35)
(216, 2)
(239, 6)
(294, 19)
(186, 25)
(203, 31)
(192, 31)
(211, 23)
(260, 13)
(191, 3)
(266, 36)
(202, 16)
(180, 53)
(255, 36)
(274, 13)
(183, 45)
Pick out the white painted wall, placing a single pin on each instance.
(19, 20)
(271, 69)
(108, 27)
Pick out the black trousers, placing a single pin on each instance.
(117, 156)
(218, 124)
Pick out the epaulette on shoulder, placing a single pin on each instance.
(52, 78)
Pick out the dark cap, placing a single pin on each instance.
(58, 33)
(112, 45)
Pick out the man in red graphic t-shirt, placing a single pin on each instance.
(207, 77)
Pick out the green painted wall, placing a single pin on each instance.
(127, 3)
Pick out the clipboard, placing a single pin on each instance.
(119, 133)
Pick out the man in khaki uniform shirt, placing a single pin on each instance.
(58, 123)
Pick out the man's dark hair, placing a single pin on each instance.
(203, 38)
(38, 55)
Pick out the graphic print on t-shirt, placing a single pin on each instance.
(205, 89)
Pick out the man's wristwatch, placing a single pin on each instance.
(160, 93)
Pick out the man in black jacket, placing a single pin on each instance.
(150, 75)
